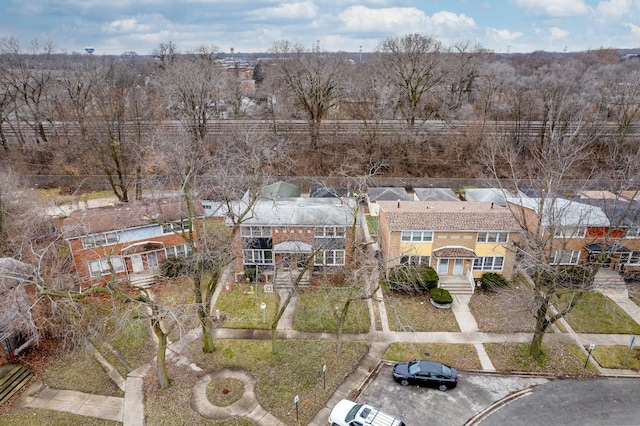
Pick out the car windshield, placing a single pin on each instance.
(446, 370)
(352, 413)
(414, 367)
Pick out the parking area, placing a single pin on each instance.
(420, 406)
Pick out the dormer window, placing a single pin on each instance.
(100, 240)
(177, 226)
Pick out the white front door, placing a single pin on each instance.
(458, 266)
(136, 263)
(443, 266)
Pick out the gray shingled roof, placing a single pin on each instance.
(125, 216)
(301, 211)
(447, 216)
(388, 193)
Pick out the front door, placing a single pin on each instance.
(152, 259)
(443, 267)
(136, 263)
(458, 265)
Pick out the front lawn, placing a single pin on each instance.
(462, 356)
(415, 313)
(315, 312)
(596, 313)
(503, 311)
(239, 306)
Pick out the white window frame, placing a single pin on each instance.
(565, 257)
(488, 263)
(179, 251)
(100, 267)
(177, 226)
(257, 257)
(255, 231)
(101, 240)
(330, 258)
(330, 232)
(631, 258)
(416, 236)
(492, 237)
(570, 232)
(632, 232)
(412, 259)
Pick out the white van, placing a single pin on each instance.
(349, 413)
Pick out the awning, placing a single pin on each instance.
(141, 247)
(611, 248)
(454, 252)
(292, 247)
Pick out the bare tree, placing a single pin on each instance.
(315, 81)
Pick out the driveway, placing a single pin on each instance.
(420, 406)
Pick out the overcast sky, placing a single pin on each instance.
(117, 26)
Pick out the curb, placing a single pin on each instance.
(478, 418)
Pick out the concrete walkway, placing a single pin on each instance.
(130, 409)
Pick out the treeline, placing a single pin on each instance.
(416, 108)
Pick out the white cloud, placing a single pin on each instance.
(551, 33)
(555, 8)
(635, 29)
(503, 35)
(361, 18)
(612, 9)
(450, 19)
(297, 10)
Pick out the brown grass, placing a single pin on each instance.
(415, 313)
(225, 391)
(502, 312)
(558, 359)
(463, 356)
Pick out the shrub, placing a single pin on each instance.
(491, 281)
(632, 277)
(174, 267)
(441, 296)
(565, 276)
(412, 278)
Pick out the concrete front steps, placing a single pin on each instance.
(12, 378)
(455, 285)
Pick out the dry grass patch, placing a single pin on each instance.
(37, 417)
(77, 370)
(240, 306)
(296, 369)
(225, 391)
(504, 311)
(415, 313)
(634, 293)
(171, 407)
(558, 359)
(461, 356)
(315, 313)
(613, 357)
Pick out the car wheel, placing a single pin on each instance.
(443, 388)
(404, 382)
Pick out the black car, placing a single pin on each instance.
(425, 373)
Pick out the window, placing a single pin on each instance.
(100, 240)
(330, 231)
(565, 257)
(179, 226)
(101, 267)
(488, 263)
(493, 237)
(415, 260)
(178, 251)
(570, 232)
(329, 258)
(259, 257)
(633, 232)
(417, 236)
(255, 231)
(632, 258)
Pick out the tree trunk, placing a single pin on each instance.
(161, 363)
(535, 348)
(208, 345)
